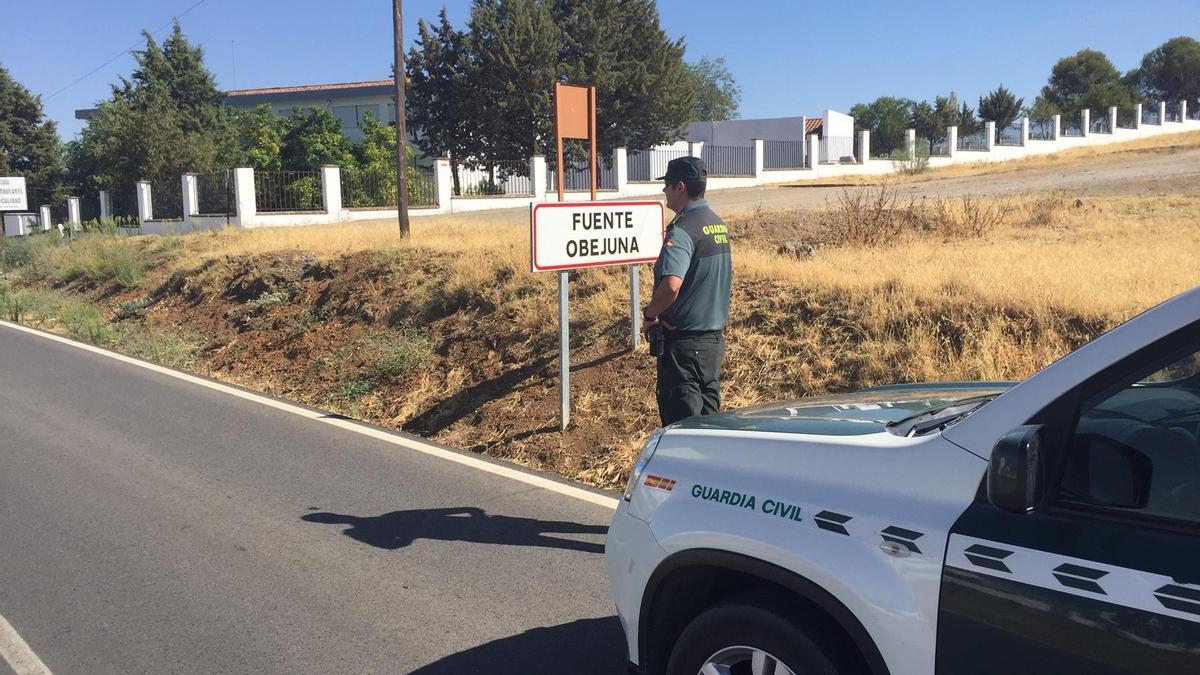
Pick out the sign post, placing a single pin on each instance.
(12, 198)
(588, 234)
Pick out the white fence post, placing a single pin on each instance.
(331, 189)
(1112, 119)
(864, 146)
(910, 143)
(620, 169)
(538, 177)
(759, 158)
(696, 148)
(145, 203)
(105, 204)
(73, 216)
(243, 195)
(989, 130)
(1056, 129)
(1024, 131)
(1183, 111)
(191, 198)
(1137, 116)
(814, 151)
(952, 141)
(443, 176)
(1162, 113)
(1085, 122)
(44, 216)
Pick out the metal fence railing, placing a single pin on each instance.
(1041, 130)
(1193, 110)
(577, 176)
(1009, 134)
(278, 191)
(1150, 115)
(422, 187)
(646, 165)
(837, 149)
(368, 189)
(975, 141)
(937, 148)
(728, 160)
(124, 202)
(1099, 125)
(89, 207)
(1071, 131)
(784, 154)
(166, 199)
(1174, 114)
(501, 177)
(215, 194)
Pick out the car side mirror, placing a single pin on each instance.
(1015, 473)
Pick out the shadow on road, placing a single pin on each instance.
(583, 647)
(400, 528)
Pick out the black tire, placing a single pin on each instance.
(749, 623)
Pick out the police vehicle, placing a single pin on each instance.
(1050, 526)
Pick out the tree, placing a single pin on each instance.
(515, 49)
(931, 121)
(260, 134)
(442, 97)
(717, 95)
(1086, 80)
(314, 138)
(1000, 106)
(165, 120)
(887, 118)
(644, 89)
(29, 144)
(1171, 72)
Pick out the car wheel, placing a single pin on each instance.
(740, 638)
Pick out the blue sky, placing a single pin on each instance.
(790, 57)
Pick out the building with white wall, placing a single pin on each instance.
(348, 101)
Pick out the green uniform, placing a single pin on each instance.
(697, 251)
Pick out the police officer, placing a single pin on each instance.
(692, 281)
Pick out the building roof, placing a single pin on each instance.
(309, 88)
(812, 125)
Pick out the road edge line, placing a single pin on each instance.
(360, 428)
(16, 652)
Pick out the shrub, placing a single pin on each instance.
(133, 309)
(911, 163)
(401, 353)
(267, 300)
(85, 323)
(162, 347)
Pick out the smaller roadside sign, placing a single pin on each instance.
(12, 193)
(570, 235)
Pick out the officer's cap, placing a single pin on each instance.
(686, 169)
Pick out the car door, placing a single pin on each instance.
(1103, 576)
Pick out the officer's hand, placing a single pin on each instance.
(647, 324)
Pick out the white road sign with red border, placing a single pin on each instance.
(570, 235)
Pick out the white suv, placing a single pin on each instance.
(1051, 526)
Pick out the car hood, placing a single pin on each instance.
(863, 412)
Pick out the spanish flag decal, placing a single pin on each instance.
(664, 484)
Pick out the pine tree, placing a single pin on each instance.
(645, 92)
(166, 119)
(29, 144)
(1000, 106)
(441, 95)
(515, 48)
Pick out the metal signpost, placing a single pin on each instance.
(567, 236)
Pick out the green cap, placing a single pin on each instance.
(686, 169)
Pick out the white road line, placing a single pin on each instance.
(349, 425)
(17, 653)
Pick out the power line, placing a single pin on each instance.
(123, 52)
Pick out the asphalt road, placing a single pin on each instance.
(152, 525)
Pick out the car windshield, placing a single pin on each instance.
(938, 417)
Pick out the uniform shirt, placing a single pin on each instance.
(697, 251)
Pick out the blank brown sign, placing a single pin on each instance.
(572, 110)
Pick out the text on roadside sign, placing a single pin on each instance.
(593, 234)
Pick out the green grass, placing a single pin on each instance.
(399, 352)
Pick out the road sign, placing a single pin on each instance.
(567, 236)
(12, 193)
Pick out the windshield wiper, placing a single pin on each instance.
(937, 418)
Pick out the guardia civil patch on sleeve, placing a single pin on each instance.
(669, 243)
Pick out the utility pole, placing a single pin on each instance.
(401, 134)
